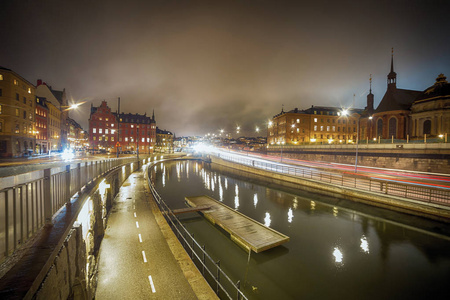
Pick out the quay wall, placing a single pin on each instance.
(428, 210)
(421, 158)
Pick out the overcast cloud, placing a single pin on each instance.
(210, 65)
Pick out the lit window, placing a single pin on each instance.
(106, 138)
(321, 128)
(16, 82)
(143, 140)
(106, 119)
(112, 138)
(100, 130)
(0, 109)
(95, 138)
(17, 112)
(1, 77)
(315, 120)
(112, 124)
(112, 131)
(298, 120)
(99, 138)
(328, 128)
(315, 127)
(334, 128)
(132, 126)
(126, 139)
(100, 119)
(106, 131)
(298, 130)
(30, 117)
(29, 90)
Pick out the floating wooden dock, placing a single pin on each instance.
(190, 209)
(246, 232)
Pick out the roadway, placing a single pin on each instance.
(395, 175)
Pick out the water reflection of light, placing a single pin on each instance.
(220, 191)
(295, 203)
(196, 168)
(364, 244)
(236, 189)
(226, 184)
(335, 211)
(337, 255)
(313, 205)
(212, 185)
(236, 202)
(187, 171)
(290, 215)
(255, 199)
(267, 220)
(178, 171)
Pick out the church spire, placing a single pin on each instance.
(392, 76)
(370, 97)
(153, 116)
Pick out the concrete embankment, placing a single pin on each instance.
(418, 208)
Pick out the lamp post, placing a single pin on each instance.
(281, 157)
(357, 142)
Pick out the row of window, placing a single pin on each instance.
(332, 128)
(126, 139)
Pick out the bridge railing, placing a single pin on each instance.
(413, 191)
(224, 287)
(30, 200)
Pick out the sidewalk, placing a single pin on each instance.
(140, 257)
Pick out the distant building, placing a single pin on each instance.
(57, 115)
(318, 124)
(75, 134)
(430, 113)
(42, 143)
(407, 114)
(108, 130)
(17, 115)
(164, 141)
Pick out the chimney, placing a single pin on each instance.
(39, 82)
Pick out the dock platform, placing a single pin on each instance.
(246, 232)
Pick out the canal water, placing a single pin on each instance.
(337, 250)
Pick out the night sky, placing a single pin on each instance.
(210, 65)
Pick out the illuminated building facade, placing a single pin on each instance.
(108, 130)
(42, 145)
(318, 124)
(17, 115)
(164, 140)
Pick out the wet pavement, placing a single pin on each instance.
(140, 257)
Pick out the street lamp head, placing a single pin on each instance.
(344, 112)
(370, 118)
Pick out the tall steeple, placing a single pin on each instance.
(153, 116)
(370, 98)
(392, 76)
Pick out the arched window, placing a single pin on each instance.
(427, 127)
(380, 127)
(393, 127)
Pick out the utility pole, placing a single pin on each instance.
(118, 130)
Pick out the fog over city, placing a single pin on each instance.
(203, 66)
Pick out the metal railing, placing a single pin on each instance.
(28, 201)
(404, 190)
(210, 269)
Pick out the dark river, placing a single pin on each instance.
(337, 249)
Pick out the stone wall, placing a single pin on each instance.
(437, 161)
(67, 275)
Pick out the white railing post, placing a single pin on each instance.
(67, 187)
(48, 203)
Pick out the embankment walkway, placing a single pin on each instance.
(140, 257)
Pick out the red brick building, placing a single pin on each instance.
(108, 130)
(41, 126)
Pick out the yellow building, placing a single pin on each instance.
(318, 124)
(54, 127)
(164, 141)
(17, 115)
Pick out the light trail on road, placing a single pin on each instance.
(392, 175)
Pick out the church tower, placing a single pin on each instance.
(392, 76)
(370, 98)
